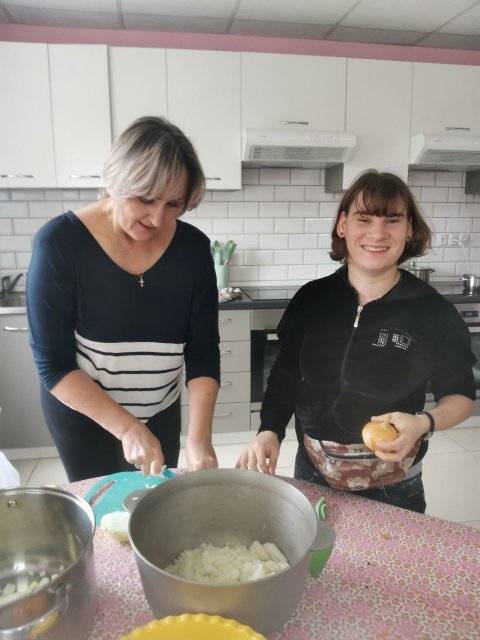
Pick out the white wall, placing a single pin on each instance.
(281, 220)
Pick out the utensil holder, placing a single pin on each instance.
(222, 271)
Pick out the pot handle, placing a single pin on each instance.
(323, 544)
(37, 627)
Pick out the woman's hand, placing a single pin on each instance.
(200, 455)
(141, 448)
(261, 454)
(410, 428)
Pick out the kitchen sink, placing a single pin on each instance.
(13, 300)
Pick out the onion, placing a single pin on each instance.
(230, 564)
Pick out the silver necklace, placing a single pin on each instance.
(141, 281)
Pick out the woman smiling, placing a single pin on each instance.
(362, 344)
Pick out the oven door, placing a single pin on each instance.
(264, 349)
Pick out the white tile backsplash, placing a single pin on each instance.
(281, 221)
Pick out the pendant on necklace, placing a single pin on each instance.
(141, 281)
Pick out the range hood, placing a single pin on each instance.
(450, 151)
(309, 149)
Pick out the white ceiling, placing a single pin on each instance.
(454, 24)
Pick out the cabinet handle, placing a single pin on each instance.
(457, 128)
(75, 176)
(15, 328)
(208, 178)
(226, 384)
(225, 414)
(304, 122)
(224, 320)
(17, 175)
(226, 352)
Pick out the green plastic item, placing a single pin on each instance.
(117, 486)
(324, 541)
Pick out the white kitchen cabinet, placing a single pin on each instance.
(445, 96)
(281, 90)
(81, 113)
(21, 420)
(204, 101)
(27, 156)
(378, 113)
(138, 85)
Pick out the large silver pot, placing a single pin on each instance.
(423, 273)
(47, 532)
(214, 506)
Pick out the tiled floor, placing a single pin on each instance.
(451, 471)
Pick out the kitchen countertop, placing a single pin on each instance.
(393, 574)
(278, 297)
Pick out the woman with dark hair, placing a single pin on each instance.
(121, 294)
(362, 344)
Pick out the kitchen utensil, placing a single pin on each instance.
(118, 491)
(215, 506)
(199, 626)
(420, 272)
(46, 534)
(216, 252)
(229, 248)
(471, 283)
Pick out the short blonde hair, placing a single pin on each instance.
(148, 157)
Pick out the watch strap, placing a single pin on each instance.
(431, 419)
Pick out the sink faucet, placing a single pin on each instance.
(8, 285)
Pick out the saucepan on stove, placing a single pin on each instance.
(47, 575)
(421, 272)
(471, 283)
(214, 506)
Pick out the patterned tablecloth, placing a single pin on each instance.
(393, 574)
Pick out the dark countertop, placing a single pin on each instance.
(278, 297)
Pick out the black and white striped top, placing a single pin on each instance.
(87, 313)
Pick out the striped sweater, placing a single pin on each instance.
(87, 313)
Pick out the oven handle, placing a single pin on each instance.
(473, 328)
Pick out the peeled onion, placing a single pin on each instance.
(373, 432)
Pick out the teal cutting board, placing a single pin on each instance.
(113, 489)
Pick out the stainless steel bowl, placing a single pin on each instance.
(214, 506)
(46, 532)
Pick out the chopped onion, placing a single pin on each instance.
(230, 564)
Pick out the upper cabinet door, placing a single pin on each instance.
(26, 158)
(204, 101)
(445, 96)
(378, 112)
(282, 90)
(81, 113)
(138, 85)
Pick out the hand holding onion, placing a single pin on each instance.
(396, 435)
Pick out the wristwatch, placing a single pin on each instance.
(431, 419)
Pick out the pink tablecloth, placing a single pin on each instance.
(393, 574)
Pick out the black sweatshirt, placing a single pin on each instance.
(334, 375)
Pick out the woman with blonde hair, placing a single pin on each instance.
(121, 295)
(362, 344)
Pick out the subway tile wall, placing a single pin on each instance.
(281, 221)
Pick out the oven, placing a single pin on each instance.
(470, 313)
(264, 350)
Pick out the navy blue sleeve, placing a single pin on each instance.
(202, 356)
(51, 304)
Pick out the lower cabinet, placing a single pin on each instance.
(227, 417)
(21, 420)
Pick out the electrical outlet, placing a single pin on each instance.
(465, 238)
(443, 240)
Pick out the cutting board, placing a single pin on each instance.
(109, 493)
